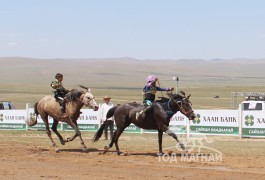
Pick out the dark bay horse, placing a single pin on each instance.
(48, 106)
(158, 118)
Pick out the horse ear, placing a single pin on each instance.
(188, 96)
(86, 88)
(89, 90)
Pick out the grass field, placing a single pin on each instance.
(26, 80)
(201, 97)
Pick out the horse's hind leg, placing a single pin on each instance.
(45, 120)
(115, 139)
(54, 128)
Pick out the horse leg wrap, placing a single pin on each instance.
(170, 133)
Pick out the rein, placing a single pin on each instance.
(180, 106)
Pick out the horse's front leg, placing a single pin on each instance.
(73, 124)
(171, 133)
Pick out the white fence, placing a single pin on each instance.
(208, 122)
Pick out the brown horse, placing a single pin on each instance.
(48, 106)
(158, 118)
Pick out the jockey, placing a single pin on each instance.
(59, 92)
(149, 92)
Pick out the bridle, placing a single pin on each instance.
(182, 110)
(82, 101)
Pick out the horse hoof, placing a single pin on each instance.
(160, 154)
(57, 150)
(106, 149)
(120, 153)
(84, 149)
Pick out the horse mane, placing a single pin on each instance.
(162, 99)
(179, 95)
(73, 95)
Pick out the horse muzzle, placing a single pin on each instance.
(191, 116)
(95, 108)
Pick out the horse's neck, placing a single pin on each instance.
(167, 107)
(76, 105)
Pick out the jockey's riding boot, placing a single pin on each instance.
(64, 114)
(138, 114)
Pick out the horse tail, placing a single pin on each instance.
(111, 111)
(99, 133)
(33, 120)
(35, 108)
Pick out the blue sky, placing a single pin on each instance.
(143, 29)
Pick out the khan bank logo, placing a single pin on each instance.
(197, 119)
(249, 120)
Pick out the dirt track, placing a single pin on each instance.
(29, 155)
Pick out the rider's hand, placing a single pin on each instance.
(171, 89)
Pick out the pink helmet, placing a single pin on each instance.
(151, 78)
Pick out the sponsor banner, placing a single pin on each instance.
(131, 129)
(88, 116)
(12, 116)
(13, 126)
(223, 118)
(253, 132)
(178, 119)
(178, 129)
(42, 126)
(215, 122)
(252, 119)
(82, 127)
(175, 128)
(214, 130)
(253, 123)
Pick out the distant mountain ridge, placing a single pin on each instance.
(131, 72)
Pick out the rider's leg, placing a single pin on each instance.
(62, 106)
(147, 107)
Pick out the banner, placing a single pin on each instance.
(215, 122)
(13, 119)
(87, 121)
(178, 123)
(253, 123)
